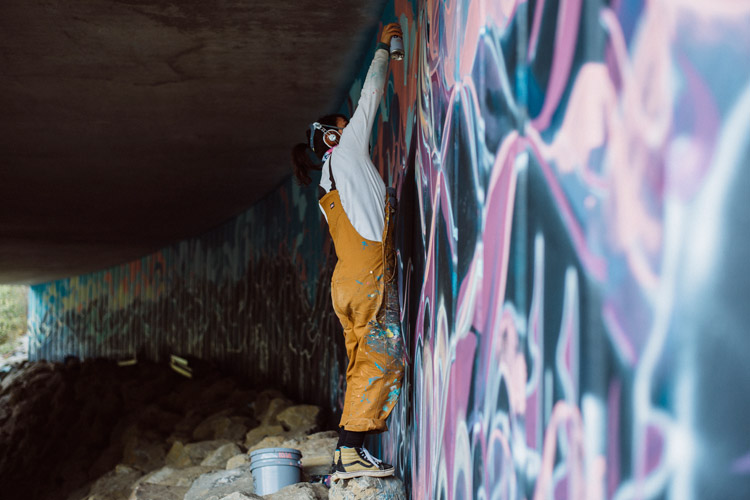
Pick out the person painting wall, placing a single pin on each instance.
(354, 202)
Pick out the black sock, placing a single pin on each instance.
(354, 439)
(342, 437)
(350, 439)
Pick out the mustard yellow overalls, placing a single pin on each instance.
(364, 275)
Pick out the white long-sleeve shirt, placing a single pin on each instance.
(360, 187)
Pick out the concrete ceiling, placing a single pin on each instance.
(126, 125)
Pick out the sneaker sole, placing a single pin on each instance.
(361, 473)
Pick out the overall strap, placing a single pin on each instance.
(321, 191)
(330, 174)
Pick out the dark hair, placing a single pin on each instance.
(303, 158)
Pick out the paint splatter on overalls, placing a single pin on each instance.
(364, 274)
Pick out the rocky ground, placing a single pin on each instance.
(99, 431)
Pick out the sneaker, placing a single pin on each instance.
(357, 462)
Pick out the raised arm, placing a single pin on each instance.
(357, 134)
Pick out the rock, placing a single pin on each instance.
(217, 485)
(143, 453)
(224, 424)
(317, 451)
(240, 496)
(237, 461)
(199, 451)
(362, 488)
(122, 469)
(263, 400)
(325, 435)
(299, 419)
(168, 476)
(220, 455)
(320, 490)
(222, 427)
(237, 429)
(27, 372)
(114, 485)
(177, 456)
(185, 455)
(275, 406)
(254, 436)
(268, 442)
(148, 491)
(300, 491)
(212, 425)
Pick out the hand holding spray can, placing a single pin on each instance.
(397, 48)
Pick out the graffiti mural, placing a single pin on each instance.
(573, 314)
(571, 246)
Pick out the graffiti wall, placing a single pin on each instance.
(573, 278)
(571, 242)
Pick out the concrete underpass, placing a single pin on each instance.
(571, 236)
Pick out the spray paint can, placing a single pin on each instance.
(397, 48)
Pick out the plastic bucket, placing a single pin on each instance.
(274, 468)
